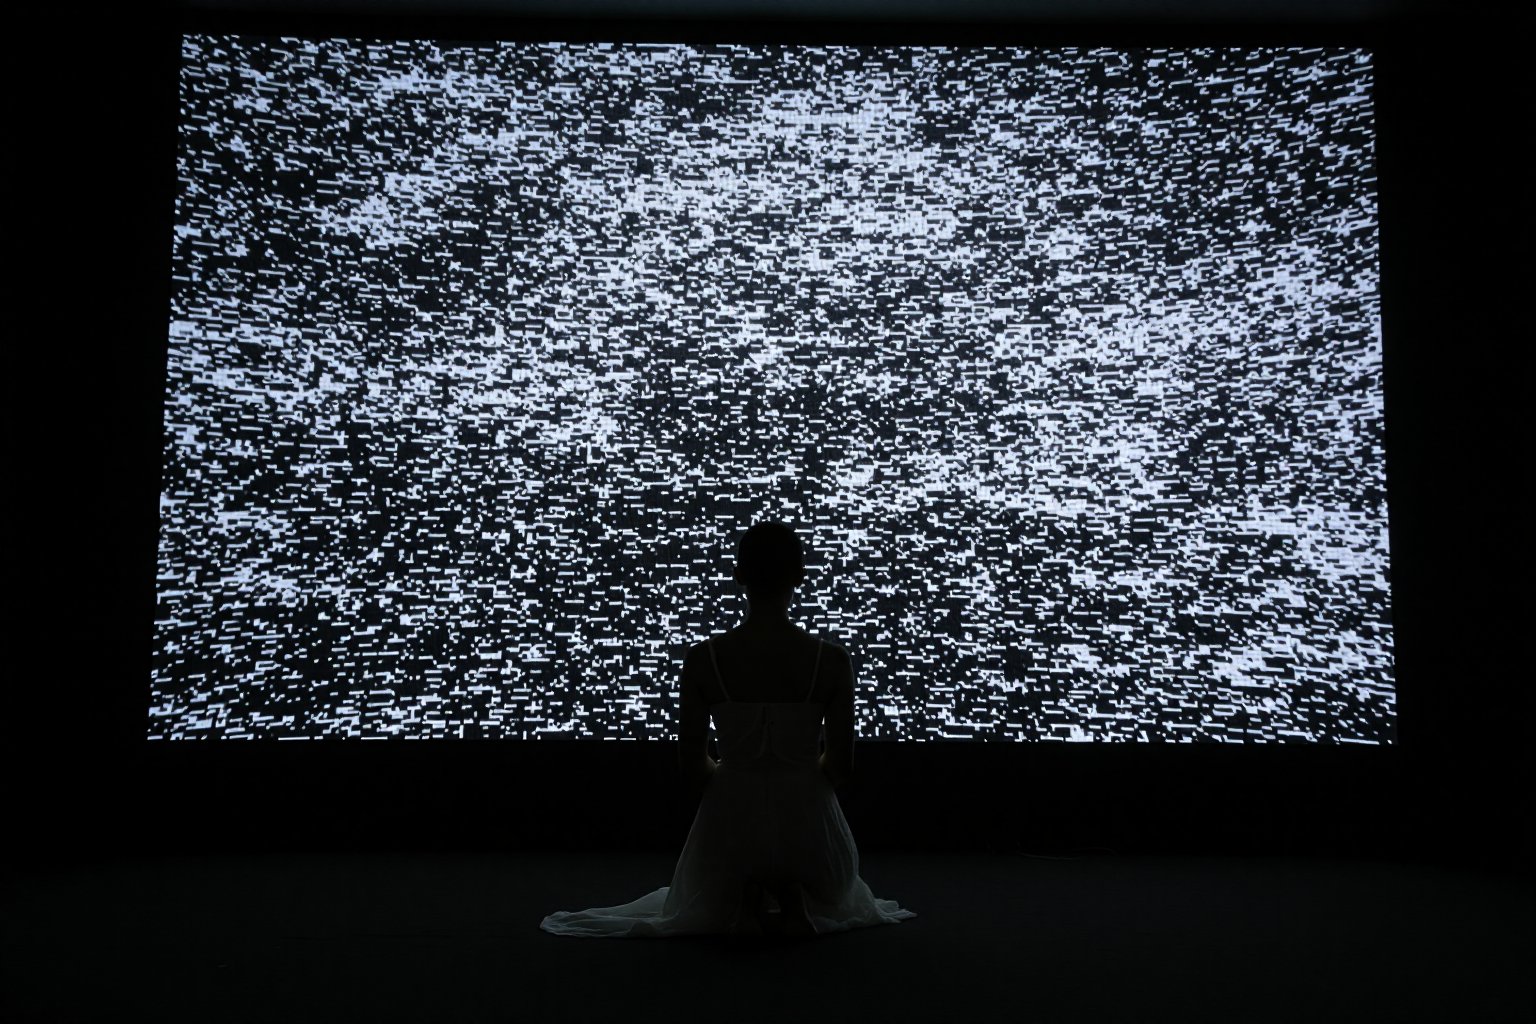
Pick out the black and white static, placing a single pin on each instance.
(1067, 364)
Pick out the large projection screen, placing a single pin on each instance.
(1066, 364)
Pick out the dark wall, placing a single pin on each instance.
(1454, 241)
(93, 204)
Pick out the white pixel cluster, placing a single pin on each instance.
(1065, 363)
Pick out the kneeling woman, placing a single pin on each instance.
(769, 851)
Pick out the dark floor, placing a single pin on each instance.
(456, 938)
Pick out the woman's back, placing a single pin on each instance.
(784, 665)
(777, 665)
(768, 816)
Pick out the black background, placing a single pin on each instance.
(92, 153)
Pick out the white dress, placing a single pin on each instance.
(767, 812)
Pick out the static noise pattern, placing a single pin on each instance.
(1066, 364)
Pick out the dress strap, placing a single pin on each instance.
(819, 644)
(710, 643)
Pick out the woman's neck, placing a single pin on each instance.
(767, 615)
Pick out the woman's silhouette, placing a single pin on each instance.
(769, 850)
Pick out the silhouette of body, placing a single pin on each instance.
(769, 851)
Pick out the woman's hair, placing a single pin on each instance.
(770, 558)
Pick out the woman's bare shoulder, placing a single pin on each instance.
(831, 650)
(836, 671)
(748, 636)
(750, 642)
(701, 653)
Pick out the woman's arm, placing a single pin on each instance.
(837, 761)
(693, 726)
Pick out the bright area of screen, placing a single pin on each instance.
(1066, 364)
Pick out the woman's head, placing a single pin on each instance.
(770, 559)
